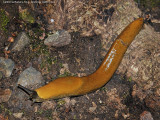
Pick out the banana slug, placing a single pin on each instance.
(74, 86)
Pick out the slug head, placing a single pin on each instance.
(33, 96)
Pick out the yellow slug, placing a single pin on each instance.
(74, 86)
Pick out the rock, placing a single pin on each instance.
(18, 115)
(146, 116)
(92, 109)
(30, 77)
(20, 42)
(73, 102)
(58, 39)
(125, 116)
(5, 95)
(6, 66)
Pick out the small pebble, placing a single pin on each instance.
(92, 109)
(18, 115)
(52, 20)
(146, 116)
(58, 39)
(5, 95)
(6, 66)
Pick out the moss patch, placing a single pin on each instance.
(148, 3)
(3, 20)
(26, 16)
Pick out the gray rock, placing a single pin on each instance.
(6, 66)
(31, 78)
(5, 95)
(146, 116)
(58, 39)
(20, 42)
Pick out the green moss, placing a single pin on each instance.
(47, 61)
(4, 109)
(26, 16)
(61, 102)
(148, 3)
(125, 95)
(40, 112)
(46, 113)
(61, 65)
(130, 79)
(103, 89)
(39, 49)
(74, 117)
(65, 74)
(3, 20)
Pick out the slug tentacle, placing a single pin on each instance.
(32, 94)
(26, 90)
(74, 86)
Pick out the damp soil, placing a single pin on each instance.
(83, 56)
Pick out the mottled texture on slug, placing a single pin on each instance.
(73, 86)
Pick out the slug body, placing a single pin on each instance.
(74, 86)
